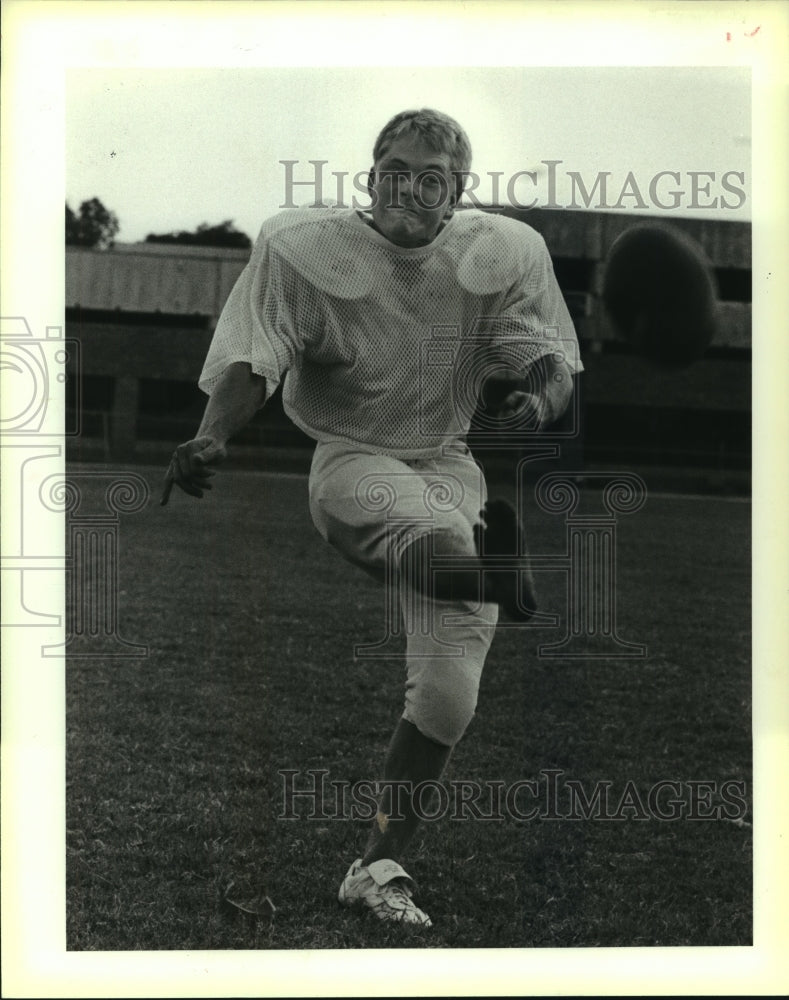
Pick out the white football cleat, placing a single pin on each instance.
(386, 889)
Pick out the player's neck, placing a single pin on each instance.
(365, 217)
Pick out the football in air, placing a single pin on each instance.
(660, 295)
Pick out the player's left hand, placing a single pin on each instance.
(523, 405)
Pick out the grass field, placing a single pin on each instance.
(174, 789)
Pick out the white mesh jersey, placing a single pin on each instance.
(384, 346)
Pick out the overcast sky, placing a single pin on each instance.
(168, 149)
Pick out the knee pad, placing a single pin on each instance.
(440, 716)
(441, 690)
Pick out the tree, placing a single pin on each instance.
(95, 226)
(223, 235)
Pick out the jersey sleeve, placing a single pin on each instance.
(260, 322)
(534, 320)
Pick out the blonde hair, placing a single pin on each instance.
(435, 128)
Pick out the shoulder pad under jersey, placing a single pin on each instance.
(496, 251)
(325, 249)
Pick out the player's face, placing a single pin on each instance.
(413, 192)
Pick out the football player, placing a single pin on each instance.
(384, 324)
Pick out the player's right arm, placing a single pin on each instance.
(259, 334)
(235, 399)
